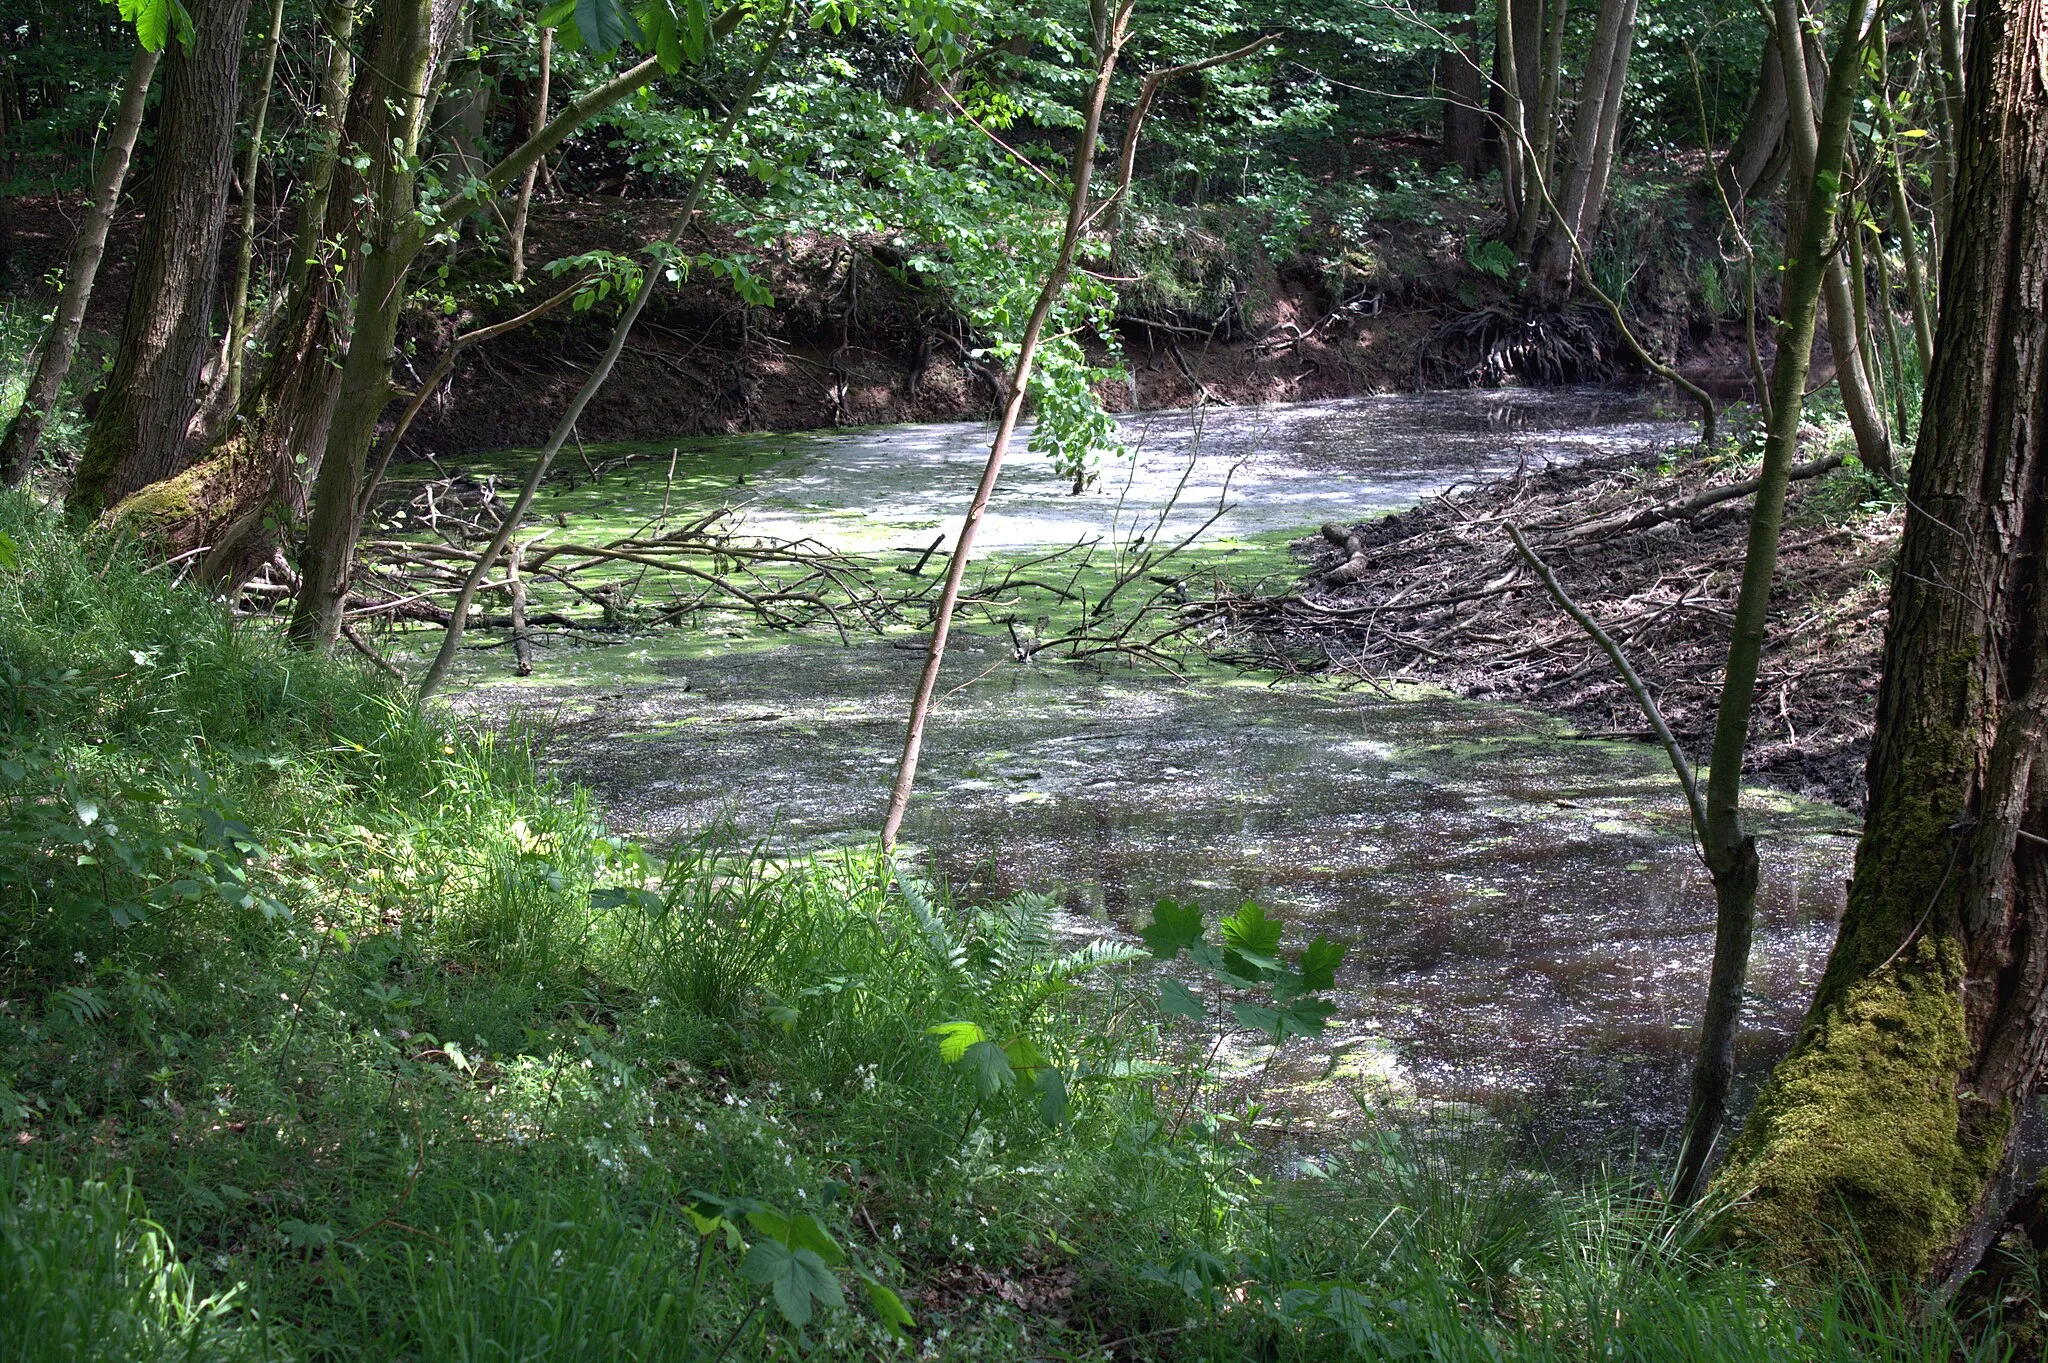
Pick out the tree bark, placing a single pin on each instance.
(1899, 1103)
(387, 117)
(60, 342)
(1763, 131)
(1730, 849)
(1594, 125)
(515, 237)
(1464, 102)
(139, 434)
(245, 256)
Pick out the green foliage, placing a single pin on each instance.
(465, 1098)
(85, 1276)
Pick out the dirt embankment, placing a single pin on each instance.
(1439, 593)
(855, 338)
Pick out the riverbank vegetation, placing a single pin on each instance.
(332, 1030)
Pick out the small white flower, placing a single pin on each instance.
(78, 957)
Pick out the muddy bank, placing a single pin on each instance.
(855, 337)
(1438, 593)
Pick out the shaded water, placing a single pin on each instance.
(1528, 927)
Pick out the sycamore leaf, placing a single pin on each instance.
(1258, 1017)
(1173, 926)
(955, 1038)
(1251, 934)
(1319, 962)
(1177, 1000)
(796, 1277)
(991, 1067)
(1049, 1094)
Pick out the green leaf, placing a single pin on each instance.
(556, 14)
(1049, 1095)
(1252, 934)
(1173, 926)
(1177, 1000)
(990, 1066)
(10, 552)
(306, 1234)
(1258, 1017)
(1319, 962)
(796, 1277)
(955, 1038)
(888, 1307)
(801, 1231)
(601, 24)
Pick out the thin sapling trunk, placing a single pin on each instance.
(1110, 30)
(60, 342)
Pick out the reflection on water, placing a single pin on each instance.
(1528, 924)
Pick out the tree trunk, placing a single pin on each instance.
(1730, 849)
(1111, 32)
(1464, 103)
(60, 342)
(1852, 374)
(1899, 1103)
(387, 117)
(1763, 131)
(1542, 122)
(139, 434)
(1509, 103)
(515, 237)
(1593, 128)
(245, 255)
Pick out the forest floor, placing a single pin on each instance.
(1438, 593)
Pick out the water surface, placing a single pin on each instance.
(1527, 922)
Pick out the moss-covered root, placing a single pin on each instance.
(1860, 1136)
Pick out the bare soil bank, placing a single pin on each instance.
(1439, 593)
(855, 338)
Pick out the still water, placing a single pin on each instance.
(1527, 924)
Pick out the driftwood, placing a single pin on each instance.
(1440, 594)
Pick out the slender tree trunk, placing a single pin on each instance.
(516, 236)
(1730, 849)
(1900, 1102)
(139, 434)
(1111, 30)
(1541, 119)
(1514, 160)
(1593, 127)
(238, 302)
(60, 342)
(458, 615)
(1464, 103)
(1908, 234)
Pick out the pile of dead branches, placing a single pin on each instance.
(1439, 594)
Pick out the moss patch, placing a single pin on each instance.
(1859, 1133)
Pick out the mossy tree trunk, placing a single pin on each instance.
(1897, 1107)
(139, 434)
(1729, 847)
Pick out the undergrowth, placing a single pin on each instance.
(332, 1030)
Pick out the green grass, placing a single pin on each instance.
(333, 1031)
